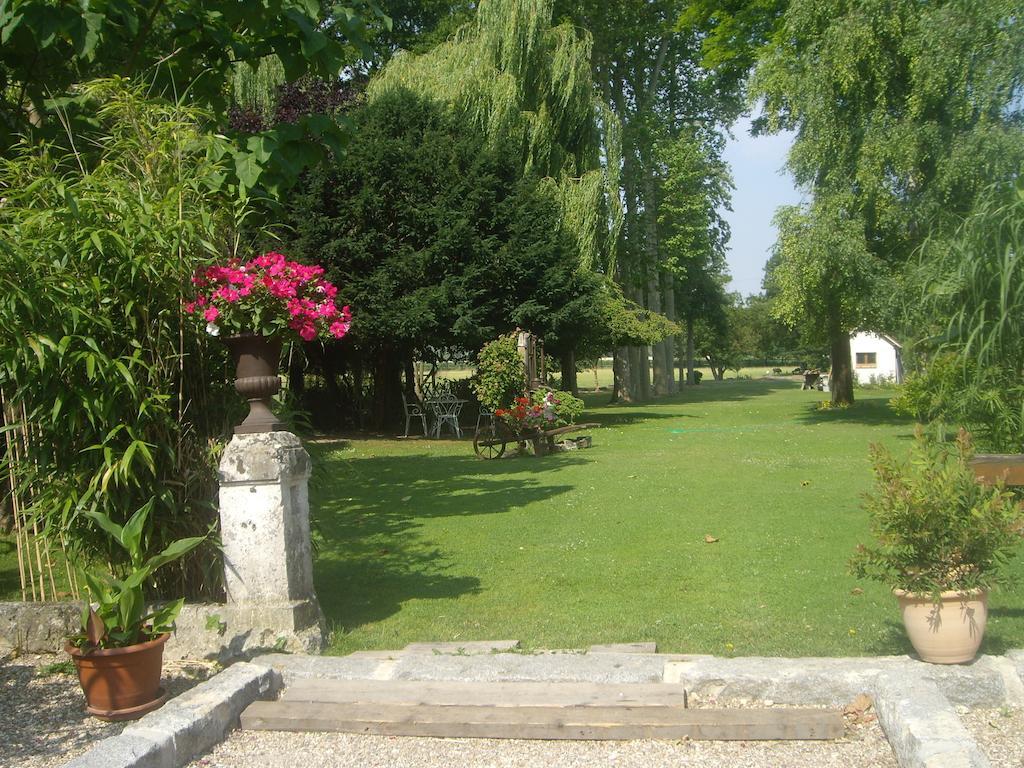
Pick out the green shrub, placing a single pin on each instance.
(952, 391)
(501, 372)
(122, 398)
(564, 405)
(974, 287)
(937, 528)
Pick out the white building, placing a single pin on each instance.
(876, 358)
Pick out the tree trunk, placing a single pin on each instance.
(634, 374)
(387, 389)
(658, 349)
(409, 364)
(689, 351)
(840, 381)
(330, 370)
(569, 383)
(669, 310)
(621, 392)
(357, 391)
(680, 349)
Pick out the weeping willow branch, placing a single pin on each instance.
(527, 84)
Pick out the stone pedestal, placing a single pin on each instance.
(264, 519)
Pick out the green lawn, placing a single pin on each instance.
(419, 540)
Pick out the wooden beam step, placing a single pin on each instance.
(489, 694)
(547, 722)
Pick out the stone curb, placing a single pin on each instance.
(921, 725)
(187, 725)
(990, 681)
(914, 701)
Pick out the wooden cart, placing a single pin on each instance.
(490, 440)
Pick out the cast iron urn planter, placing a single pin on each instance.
(256, 379)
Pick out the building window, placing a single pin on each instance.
(867, 359)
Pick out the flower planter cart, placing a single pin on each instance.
(490, 441)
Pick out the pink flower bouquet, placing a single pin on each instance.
(268, 296)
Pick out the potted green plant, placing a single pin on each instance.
(942, 539)
(119, 652)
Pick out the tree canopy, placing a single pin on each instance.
(186, 52)
(903, 113)
(440, 239)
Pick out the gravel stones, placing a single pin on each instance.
(999, 733)
(864, 745)
(42, 709)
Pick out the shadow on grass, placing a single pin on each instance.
(873, 411)
(371, 557)
(618, 418)
(730, 390)
(997, 641)
(892, 641)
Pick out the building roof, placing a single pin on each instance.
(883, 336)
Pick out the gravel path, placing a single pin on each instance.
(43, 722)
(864, 745)
(999, 733)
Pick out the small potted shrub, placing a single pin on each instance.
(119, 652)
(942, 539)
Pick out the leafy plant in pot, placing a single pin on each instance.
(942, 541)
(119, 652)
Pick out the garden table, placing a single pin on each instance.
(446, 410)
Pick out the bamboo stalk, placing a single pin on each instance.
(72, 579)
(34, 540)
(15, 506)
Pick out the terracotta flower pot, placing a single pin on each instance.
(256, 379)
(121, 683)
(948, 632)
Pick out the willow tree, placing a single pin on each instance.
(525, 82)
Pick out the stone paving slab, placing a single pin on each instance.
(556, 667)
(922, 726)
(624, 648)
(189, 724)
(989, 681)
(471, 647)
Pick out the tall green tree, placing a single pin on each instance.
(441, 241)
(525, 82)
(650, 66)
(694, 188)
(826, 282)
(903, 113)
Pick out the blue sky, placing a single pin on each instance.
(761, 186)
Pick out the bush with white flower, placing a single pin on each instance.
(268, 296)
